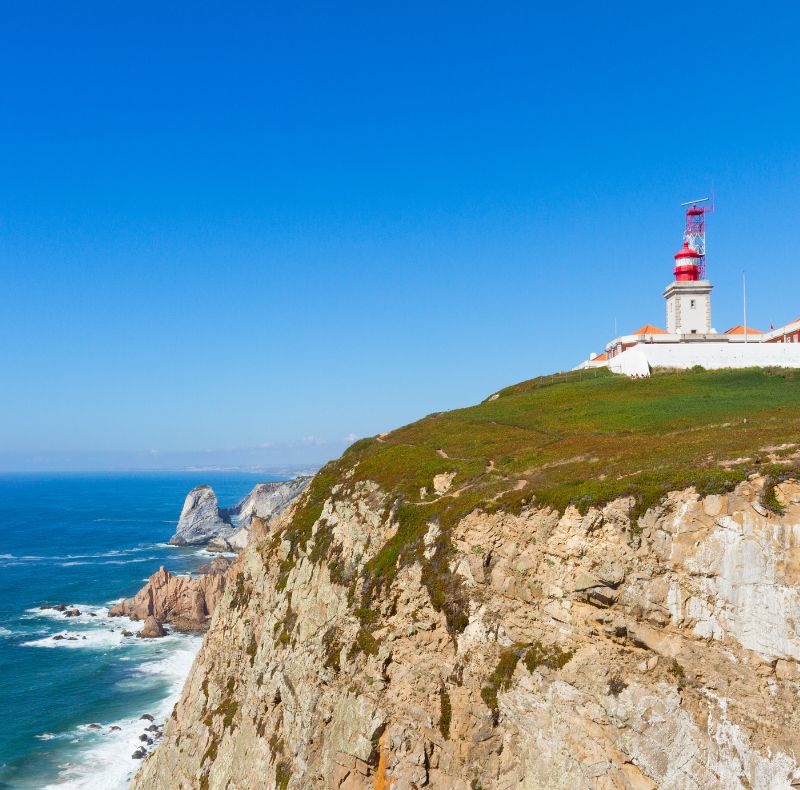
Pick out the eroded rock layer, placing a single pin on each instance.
(593, 652)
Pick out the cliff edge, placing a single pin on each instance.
(583, 582)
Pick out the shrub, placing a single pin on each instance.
(500, 680)
(677, 670)
(616, 685)
(445, 713)
(548, 656)
(283, 773)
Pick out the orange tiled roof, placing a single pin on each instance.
(600, 358)
(649, 329)
(739, 330)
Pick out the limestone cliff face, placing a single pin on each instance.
(201, 518)
(267, 500)
(596, 654)
(228, 529)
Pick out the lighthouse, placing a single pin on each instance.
(688, 297)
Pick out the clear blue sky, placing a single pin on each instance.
(238, 233)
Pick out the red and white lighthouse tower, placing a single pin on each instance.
(689, 295)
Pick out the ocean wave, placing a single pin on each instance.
(88, 613)
(205, 553)
(14, 558)
(177, 664)
(104, 760)
(73, 562)
(91, 640)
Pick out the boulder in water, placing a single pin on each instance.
(152, 629)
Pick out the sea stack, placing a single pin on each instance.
(200, 519)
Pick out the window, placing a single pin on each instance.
(691, 303)
(694, 331)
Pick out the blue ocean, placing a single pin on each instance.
(72, 708)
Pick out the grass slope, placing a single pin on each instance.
(581, 438)
(586, 438)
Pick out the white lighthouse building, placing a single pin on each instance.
(688, 297)
(689, 339)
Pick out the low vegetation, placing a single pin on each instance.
(550, 656)
(283, 773)
(500, 680)
(445, 711)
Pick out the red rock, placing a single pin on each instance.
(183, 602)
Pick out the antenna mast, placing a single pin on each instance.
(695, 232)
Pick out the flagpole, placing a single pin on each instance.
(744, 304)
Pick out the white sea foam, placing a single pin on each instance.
(86, 611)
(92, 640)
(206, 553)
(103, 632)
(104, 760)
(5, 632)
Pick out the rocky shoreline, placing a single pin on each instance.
(171, 603)
(187, 603)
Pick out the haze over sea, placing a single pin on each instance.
(88, 540)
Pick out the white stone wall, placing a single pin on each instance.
(709, 355)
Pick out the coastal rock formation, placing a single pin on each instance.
(265, 501)
(186, 603)
(151, 629)
(549, 649)
(200, 519)
(228, 529)
(268, 499)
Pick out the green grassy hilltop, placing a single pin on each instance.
(587, 437)
(581, 438)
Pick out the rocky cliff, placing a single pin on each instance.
(184, 602)
(419, 619)
(268, 499)
(203, 521)
(264, 502)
